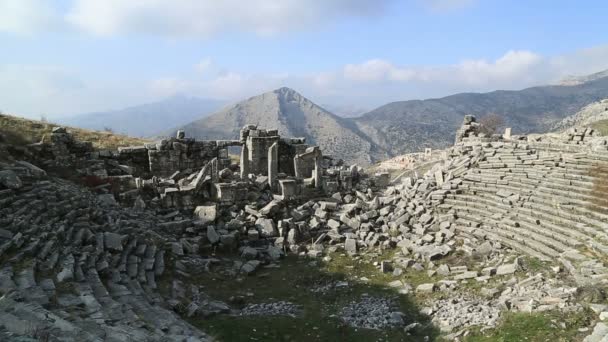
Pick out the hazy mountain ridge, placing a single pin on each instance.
(147, 119)
(410, 126)
(576, 80)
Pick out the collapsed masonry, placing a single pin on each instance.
(182, 172)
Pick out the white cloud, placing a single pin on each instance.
(39, 90)
(377, 70)
(512, 66)
(203, 18)
(27, 16)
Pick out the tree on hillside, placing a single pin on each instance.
(491, 124)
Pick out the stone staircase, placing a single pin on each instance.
(544, 204)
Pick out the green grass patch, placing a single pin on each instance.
(547, 326)
(293, 281)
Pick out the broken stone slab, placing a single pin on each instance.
(271, 208)
(250, 266)
(506, 269)
(249, 253)
(350, 246)
(114, 241)
(333, 224)
(600, 331)
(425, 288)
(206, 213)
(67, 271)
(466, 275)
(488, 271)
(212, 235)
(443, 270)
(275, 253)
(10, 180)
(267, 227)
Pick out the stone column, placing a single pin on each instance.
(507, 134)
(215, 177)
(273, 164)
(318, 171)
(296, 166)
(244, 161)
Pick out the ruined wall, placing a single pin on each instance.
(258, 142)
(170, 155)
(288, 149)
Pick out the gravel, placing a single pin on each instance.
(372, 313)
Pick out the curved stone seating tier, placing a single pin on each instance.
(542, 203)
(564, 217)
(485, 234)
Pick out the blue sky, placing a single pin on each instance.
(73, 56)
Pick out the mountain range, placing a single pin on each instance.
(390, 130)
(147, 119)
(409, 126)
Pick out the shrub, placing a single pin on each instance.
(491, 124)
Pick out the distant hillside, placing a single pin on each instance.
(409, 126)
(594, 112)
(147, 119)
(294, 116)
(576, 80)
(346, 111)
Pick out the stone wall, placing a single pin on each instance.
(176, 154)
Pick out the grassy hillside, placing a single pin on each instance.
(20, 131)
(601, 127)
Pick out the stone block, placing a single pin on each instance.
(206, 213)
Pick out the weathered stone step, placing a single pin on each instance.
(568, 215)
(542, 239)
(487, 235)
(559, 236)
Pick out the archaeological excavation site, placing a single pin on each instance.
(266, 238)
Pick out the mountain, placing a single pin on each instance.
(591, 113)
(147, 119)
(576, 80)
(346, 111)
(294, 116)
(409, 126)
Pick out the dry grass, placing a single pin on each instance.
(600, 127)
(20, 131)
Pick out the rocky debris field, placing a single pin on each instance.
(455, 252)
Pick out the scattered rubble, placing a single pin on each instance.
(373, 313)
(271, 309)
(91, 250)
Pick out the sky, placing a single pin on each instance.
(66, 57)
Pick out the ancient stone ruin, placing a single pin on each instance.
(105, 245)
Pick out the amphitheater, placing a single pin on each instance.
(545, 200)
